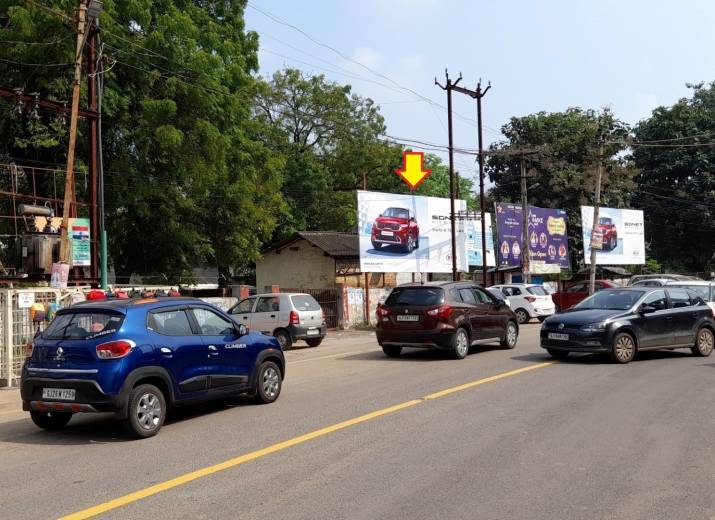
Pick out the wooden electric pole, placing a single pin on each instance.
(69, 198)
(478, 94)
(525, 251)
(597, 202)
(449, 87)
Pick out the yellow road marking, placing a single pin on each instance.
(248, 457)
(485, 380)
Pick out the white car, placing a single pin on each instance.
(286, 316)
(528, 301)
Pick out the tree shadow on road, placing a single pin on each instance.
(103, 428)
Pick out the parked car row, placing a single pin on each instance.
(140, 358)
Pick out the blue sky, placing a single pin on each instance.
(630, 55)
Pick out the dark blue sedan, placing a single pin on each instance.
(623, 322)
(138, 358)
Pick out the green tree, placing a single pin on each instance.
(331, 140)
(189, 177)
(560, 150)
(676, 185)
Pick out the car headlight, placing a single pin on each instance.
(594, 327)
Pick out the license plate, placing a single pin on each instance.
(387, 233)
(408, 317)
(313, 332)
(66, 394)
(555, 335)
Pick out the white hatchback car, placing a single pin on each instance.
(528, 301)
(286, 316)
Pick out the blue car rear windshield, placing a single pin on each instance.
(87, 324)
(415, 296)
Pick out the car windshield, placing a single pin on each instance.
(83, 325)
(537, 291)
(604, 221)
(396, 213)
(611, 299)
(304, 302)
(415, 296)
(701, 290)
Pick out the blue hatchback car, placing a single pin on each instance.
(138, 358)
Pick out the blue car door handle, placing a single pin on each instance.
(166, 351)
(213, 351)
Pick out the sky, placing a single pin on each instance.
(547, 55)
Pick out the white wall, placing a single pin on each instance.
(301, 265)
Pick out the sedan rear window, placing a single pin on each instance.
(304, 302)
(537, 291)
(415, 296)
(83, 325)
(701, 290)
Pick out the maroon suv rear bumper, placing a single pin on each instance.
(437, 338)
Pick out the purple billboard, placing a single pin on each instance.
(548, 242)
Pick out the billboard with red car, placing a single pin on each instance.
(618, 236)
(408, 233)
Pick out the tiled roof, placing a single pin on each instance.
(337, 245)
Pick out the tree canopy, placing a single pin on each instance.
(676, 185)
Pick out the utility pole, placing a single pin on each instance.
(525, 251)
(478, 94)
(69, 199)
(597, 202)
(449, 87)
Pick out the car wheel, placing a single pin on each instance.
(50, 420)
(522, 316)
(314, 342)
(704, 343)
(558, 354)
(410, 246)
(147, 411)
(460, 344)
(391, 350)
(283, 338)
(376, 245)
(510, 336)
(268, 383)
(624, 348)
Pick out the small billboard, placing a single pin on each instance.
(618, 237)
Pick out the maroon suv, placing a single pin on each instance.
(445, 315)
(396, 226)
(608, 230)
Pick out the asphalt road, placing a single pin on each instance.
(577, 439)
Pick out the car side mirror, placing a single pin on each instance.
(242, 330)
(647, 309)
(413, 219)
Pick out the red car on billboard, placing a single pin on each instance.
(574, 293)
(608, 230)
(396, 227)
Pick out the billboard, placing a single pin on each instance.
(548, 241)
(408, 233)
(473, 228)
(619, 236)
(80, 239)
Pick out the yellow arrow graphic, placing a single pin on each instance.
(413, 172)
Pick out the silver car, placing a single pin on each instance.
(288, 317)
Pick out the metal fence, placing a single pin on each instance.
(17, 327)
(328, 300)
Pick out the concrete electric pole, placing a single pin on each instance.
(597, 202)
